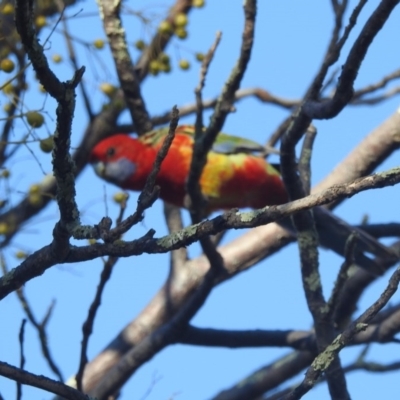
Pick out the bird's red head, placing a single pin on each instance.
(111, 149)
(119, 160)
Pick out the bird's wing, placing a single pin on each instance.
(223, 144)
(228, 144)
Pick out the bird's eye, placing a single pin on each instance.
(110, 152)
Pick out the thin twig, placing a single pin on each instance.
(73, 59)
(39, 326)
(342, 276)
(344, 90)
(376, 99)
(323, 361)
(87, 327)
(128, 78)
(195, 196)
(40, 382)
(203, 73)
(375, 86)
(22, 356)
(358, 365)
(160, 40)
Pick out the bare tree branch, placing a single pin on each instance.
(324, 359)
(160, 40)
(21, 337)
(268, 377)
(39, 326)
(155, 341)
(40, 382)
(130, 84)
(64, 93)
(358, 94)
(204, 142)
(344, 91)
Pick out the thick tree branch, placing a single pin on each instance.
(381, 331)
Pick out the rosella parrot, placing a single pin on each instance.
(236, 175)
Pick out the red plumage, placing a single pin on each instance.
(233, 178)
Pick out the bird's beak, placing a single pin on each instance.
(99, 168)
(115, 171)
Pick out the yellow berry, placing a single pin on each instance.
(98, 43)
(40, 21)
(165, 27)
(4, 51)
(164, 62)
(120, 197)
(140, 44)
(92, 241)
(184, 64)
(34, 189)
(163, 58)
(46, 145)
(8, 9)
(7, 107)
(5, 173)
(8, 89)
(34, 119)
(7, 65)
(4, 228)
(198, 3)
(165, 67)
(42, 89)
(181, 20)
(35, 199)
(108, 89)
(21, 255)
(199, 56)
(181, 33)
(56, 58)
(154, 67)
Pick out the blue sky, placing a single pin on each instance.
(291, 38)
